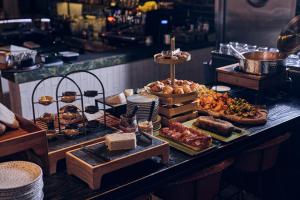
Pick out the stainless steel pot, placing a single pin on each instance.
(262, 62)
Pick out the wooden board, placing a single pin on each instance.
(177, 100)
(234, 135)
(27, 137)
(88, 168)
(181, 118)
(168, 61)
(261, 118)
(228, 75)
(58, 148)
(171, 112)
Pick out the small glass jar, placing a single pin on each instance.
(145, 126)
(128, 124)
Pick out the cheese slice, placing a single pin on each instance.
(120, 141)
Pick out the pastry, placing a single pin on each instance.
(68, 99)
(187, 89)
(178, 90)
(7, 117)
(168, 90)
(47, 117)
(69, 115)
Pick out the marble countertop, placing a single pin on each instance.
(91, 61)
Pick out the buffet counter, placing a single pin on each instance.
(284, 115)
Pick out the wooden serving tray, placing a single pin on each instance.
(160, 94)
(58, 148)
(176, 100)
(88, 168)
(171, 112)
(234, 135)
(181, 118)
(169, 61)
(228, 75)
(28, 136)
(260, 119)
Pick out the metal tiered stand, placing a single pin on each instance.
(69, 128)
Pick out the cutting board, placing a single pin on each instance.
(234, 135)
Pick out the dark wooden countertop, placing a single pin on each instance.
(149, 175)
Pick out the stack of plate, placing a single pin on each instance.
(20, 180)
(144, 102)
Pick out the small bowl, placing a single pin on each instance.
(69, 108)
(68, 99)
(91, 109)
(69, 93)
(90, 93)
(46, 100)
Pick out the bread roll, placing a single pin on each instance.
(178, 90)
(194, 87)
(7, 117)
(168, 90)
(187, 89)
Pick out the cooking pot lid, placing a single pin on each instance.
(289, 38)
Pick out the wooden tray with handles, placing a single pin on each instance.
(27, 137)
(90, 167)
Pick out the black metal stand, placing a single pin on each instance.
(82, 95)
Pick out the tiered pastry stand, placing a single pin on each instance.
(175, 107)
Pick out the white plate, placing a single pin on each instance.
(18, 174)
(221, 88)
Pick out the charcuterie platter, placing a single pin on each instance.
(186, 139)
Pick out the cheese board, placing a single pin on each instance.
(88, 164)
